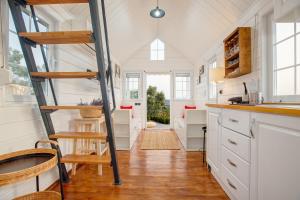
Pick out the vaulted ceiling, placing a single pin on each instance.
(190, 26)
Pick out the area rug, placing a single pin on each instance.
(159, 140)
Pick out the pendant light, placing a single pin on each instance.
(157, 12)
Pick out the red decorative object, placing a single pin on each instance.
(126, 107)
(187, 107)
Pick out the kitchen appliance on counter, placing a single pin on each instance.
(242, 99)
(236, 100)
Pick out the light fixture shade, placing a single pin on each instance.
(157, 13)
(217, 74)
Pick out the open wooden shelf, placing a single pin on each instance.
(78, 135)
(65, 37)
(85, 159)
(235, 55)
(64, 74)
(233, 66)
(237, 47)
(42, 2)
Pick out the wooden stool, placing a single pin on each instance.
(89, 146)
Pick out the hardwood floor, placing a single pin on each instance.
(148, 175)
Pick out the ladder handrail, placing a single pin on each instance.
(43, 53)
(95, 18)
(108, 54)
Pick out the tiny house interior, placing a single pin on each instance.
(150, 99)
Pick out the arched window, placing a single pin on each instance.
(157, 50)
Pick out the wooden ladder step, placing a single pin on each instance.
(86, 159)
(65, 37)
(71, 107)
(43, 2)
(64, 74)
(78, 135)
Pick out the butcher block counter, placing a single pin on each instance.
(277, 109)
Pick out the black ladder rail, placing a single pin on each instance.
(43, 53)
(94, 10)
(108, 54)
(16, 11)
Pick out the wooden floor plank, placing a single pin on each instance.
(147, 175)
(63, 37)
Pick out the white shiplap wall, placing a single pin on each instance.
(233, 87)
(174, 61)
(21, 124)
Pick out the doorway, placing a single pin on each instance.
(158, 93)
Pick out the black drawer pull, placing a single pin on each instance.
(230, 184)
(232, 142)
(233, 120)
(231, 163)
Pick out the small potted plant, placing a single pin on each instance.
(91, 113)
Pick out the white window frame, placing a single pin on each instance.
(155, 52)
(191, 85)
(22, 99)
(271, 43)
(212, 86)
(125, 83)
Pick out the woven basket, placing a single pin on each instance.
(91, 113)
(13, 177)
(46, 195)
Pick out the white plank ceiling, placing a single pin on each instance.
(190, 26)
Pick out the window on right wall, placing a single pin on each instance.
(212, 86)
(286, 60)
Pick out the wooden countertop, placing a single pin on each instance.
(276, 109)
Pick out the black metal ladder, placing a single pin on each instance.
(104, 74)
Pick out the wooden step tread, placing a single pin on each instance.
(85, 159)
(78, 135)
(64, 74)
(71, 107)
(64, 37)
(41, 2)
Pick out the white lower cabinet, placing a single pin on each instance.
(237, 143)
(235, 189)
(214, 140)
(275, 158)
(237, 166)
(262, 162)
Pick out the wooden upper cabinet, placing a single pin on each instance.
(237, 47)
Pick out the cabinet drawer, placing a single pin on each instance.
(237, 143)
(238, 167)
(235, 187)
(238, 121)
